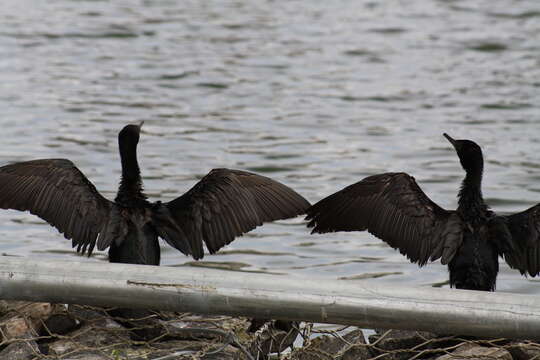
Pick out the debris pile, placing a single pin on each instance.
(75, 332)
(32, 331)
(410, 345)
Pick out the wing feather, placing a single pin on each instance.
(392, 207)
(524, 228)
(56, 191)
(226, 204)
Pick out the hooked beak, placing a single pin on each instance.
(452, 141)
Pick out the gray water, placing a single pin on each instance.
(316, 94)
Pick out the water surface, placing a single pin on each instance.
(315, 94)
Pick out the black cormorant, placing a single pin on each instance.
(392, 207)
(223, 205)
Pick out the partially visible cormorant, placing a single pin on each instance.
(392, 207)
(223, 205)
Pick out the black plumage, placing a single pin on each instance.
(223, 205)
(470, 239)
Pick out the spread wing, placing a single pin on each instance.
(56, 191)
(223, 205)
(392, 207)
(525, 230)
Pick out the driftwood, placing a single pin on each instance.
(206, 291)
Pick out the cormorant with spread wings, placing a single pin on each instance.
(470, 239)
(223, 205)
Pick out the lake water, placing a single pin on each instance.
(314, 94)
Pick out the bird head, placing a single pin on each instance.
(469, 153)
(129, 135)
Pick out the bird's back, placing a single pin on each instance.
(476, 265)
(140, 245)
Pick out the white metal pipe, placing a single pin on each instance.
(208, 291)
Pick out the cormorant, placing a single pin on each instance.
(223, 205)
(392, 207)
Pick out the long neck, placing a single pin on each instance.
(130, 190)
(471, 203)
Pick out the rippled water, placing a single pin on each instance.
(315, 94)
